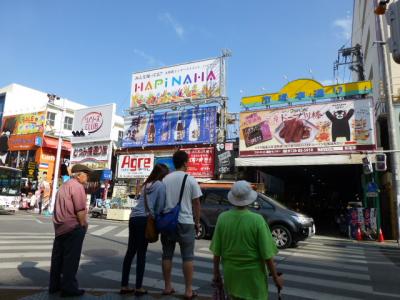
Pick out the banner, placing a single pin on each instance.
(166, 160)
(197, 80)
(97, 121)
(201, 162)
(191, 126)
(334, 127)
(135, 165)
(25, 123)
(94, 155)
(225, 158)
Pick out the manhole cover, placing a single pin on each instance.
(100, 252)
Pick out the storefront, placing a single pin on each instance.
(308, 147)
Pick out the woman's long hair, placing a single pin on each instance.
(158, 173)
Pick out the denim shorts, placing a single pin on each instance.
(185, 236)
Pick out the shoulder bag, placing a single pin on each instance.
(167, 222)
(151, 233)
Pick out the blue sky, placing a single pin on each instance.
(86, 50)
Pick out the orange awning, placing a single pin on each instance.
(50, 142)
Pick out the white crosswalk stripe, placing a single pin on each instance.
(123, 233)
(103, 230)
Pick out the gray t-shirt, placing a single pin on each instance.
(173, 183)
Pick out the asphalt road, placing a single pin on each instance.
(320, 268)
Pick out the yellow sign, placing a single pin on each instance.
(301, 91)
(25, 123)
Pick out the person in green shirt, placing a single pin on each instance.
(243, 240)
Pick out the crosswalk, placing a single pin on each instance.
(319, 268)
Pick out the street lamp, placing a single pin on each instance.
(58, 158)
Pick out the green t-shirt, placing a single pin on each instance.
(243, 240)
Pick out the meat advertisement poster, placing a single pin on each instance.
(330, 127)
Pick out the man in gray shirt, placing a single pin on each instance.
(188, 225)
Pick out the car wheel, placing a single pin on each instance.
(202, 232)
(282, 236)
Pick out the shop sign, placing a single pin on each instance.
(106, 175)
(302, 91)
(225, 158)
(96, 121)
(47, 157)
(31, 168)
(25, 123)
(201, 162)
(196, 80)
(333, 127)
(22, 142)
(135, 165)
(93, 155)
(191, 126)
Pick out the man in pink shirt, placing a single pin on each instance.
(70, 226)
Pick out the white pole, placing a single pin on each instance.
(57, 164)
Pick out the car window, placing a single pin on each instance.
(215, 196)
(264, 203)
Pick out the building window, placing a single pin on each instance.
(120, 135)
(68, 123)
(51, 119)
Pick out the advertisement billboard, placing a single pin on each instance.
(25, 123)
(96, 156)
(135, 165)
(196, 80)
(201, 162)
(332, 127)
(191, 126)
(97, 121)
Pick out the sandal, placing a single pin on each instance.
(194, 295)
(125, 291)
(166, 293)
(141, 292)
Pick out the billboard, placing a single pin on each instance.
(25, 123)
(96, 120)
(96, 156)
(135, 165)
(191, 126)
(333, 127)
(201, 162)
(196, 80)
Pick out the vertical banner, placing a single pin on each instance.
(201, 162)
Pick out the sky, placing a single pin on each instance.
(87, 50)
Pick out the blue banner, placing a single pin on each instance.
(166, 161)
(190, 126)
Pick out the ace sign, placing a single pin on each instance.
(135, 165)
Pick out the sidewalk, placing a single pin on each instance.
(37, 294)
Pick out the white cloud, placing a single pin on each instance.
(150, 60)
(169, 20)
(344, 26)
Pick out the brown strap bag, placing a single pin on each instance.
(151, 233)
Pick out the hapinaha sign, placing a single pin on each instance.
(135, 165)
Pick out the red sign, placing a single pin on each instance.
(92, 121)
(201, 162)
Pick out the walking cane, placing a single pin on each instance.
(279, 289)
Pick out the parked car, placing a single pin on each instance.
(287, 227)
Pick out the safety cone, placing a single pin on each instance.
(381, 239)
(358, 234)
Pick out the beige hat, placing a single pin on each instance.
(242, 194)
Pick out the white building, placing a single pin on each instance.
(37, 119)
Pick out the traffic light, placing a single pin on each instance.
(367, 165)
(393, 20)
(79, 133)
(381, 165)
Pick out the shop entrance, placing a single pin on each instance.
(322, 192)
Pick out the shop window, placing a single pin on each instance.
(51, 119)
(68, 123)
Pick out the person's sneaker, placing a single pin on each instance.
(65, 294)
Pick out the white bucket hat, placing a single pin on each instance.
(242, 194)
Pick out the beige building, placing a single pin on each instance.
(370, 30)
